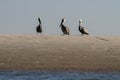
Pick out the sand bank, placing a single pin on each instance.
(56, 52)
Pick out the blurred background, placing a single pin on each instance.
(101, 17)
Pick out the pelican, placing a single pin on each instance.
(64, 28)
(39, 27)
(82, 29)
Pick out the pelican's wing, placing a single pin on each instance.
(68, 30)
(85, 30)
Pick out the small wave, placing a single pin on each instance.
(52, 75)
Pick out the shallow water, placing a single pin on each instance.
(52, 75)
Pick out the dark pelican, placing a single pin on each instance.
(64, 28)
(39, 27)
(82, 29)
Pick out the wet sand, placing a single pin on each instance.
(56, 52)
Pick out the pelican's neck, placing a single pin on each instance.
(62, 23)
(39, 20)
(80, 24)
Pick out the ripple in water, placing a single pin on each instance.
(52, 75)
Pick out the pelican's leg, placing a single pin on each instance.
(40, 33)
(36, 33)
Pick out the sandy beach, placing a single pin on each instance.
(58, 52)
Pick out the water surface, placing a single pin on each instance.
(58, 75)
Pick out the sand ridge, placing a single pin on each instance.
(57, 52)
